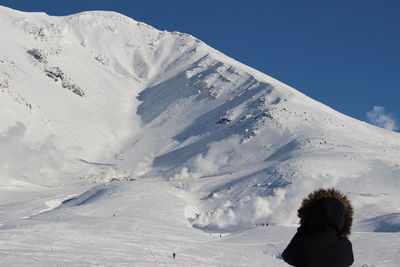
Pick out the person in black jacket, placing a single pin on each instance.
(322, 238)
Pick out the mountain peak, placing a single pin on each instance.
(97, 95)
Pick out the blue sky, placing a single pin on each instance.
(343, 53)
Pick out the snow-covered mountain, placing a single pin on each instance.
(97, 97)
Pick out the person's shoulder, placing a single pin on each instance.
(346, 250)
(345, 241)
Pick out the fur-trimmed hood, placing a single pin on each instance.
(315, 205)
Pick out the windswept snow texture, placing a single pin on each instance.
(121, 144)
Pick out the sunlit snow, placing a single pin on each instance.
(121, 144)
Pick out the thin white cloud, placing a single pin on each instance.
(379, 117)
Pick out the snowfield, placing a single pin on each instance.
(121, 144)
(142, 223)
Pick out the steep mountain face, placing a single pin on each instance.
(97, 96)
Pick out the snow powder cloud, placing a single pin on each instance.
(22, 162)
(379, 117)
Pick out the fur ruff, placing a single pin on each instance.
(308, 202)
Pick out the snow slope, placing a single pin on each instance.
(211, 145)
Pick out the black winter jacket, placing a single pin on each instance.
(321, 240)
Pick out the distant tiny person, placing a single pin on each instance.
(322, 238)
